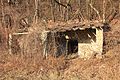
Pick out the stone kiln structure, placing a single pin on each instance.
(82, 38)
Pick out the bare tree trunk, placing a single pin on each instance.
(119, 7)
(3, 24)
(91, 14)
(2, 12)
(52, 9)
(59, 6)
(79, 2)
(68, 10)
(103, 11)
(64, 13)
(36, 11)
(27, 3)
(60, 9)
(39, 12)
(67, 13)
(87, 9)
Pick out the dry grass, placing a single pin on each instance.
(35, 67)
(11, 65)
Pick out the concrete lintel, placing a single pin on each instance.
(93, 27)
(82, 28)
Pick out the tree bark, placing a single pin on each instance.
(52, 10)
(36, 17)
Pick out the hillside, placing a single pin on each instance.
(32, 15)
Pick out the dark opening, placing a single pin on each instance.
(87, 35)
(67, 42)
(72, 46)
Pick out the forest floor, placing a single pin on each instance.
(14, 67)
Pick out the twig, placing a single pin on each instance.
(60, 4)
(78, 12)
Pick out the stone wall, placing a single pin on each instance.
(87, 50)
